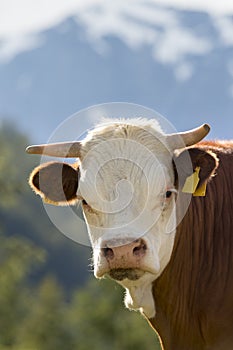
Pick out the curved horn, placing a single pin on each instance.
(187, 138)
(61, 149)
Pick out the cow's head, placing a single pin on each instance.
(126, 179)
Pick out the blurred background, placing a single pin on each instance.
(56, 58)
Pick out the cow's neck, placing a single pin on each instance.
(190, 292)
(175, 297)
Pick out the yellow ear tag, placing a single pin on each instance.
(200, 192)
(192, 181)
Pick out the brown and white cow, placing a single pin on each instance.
(171, 251)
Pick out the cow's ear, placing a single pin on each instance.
(56, 182)
(206, 160)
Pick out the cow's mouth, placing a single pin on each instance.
(121, 274)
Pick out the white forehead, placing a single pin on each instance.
(120, 160)
(145, 132)
(109, 128)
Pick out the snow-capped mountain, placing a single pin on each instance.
(178, 62)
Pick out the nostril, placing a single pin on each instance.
(108, 253)
(140, 249)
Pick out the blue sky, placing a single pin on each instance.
(22, 20)
(188, 52)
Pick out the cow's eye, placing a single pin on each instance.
(165, 199)
(168, 194)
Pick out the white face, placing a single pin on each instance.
(128, 197)
(126, 185)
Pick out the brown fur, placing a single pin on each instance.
(194, 294)
(205, 159)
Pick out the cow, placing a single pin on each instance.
(159, 213)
